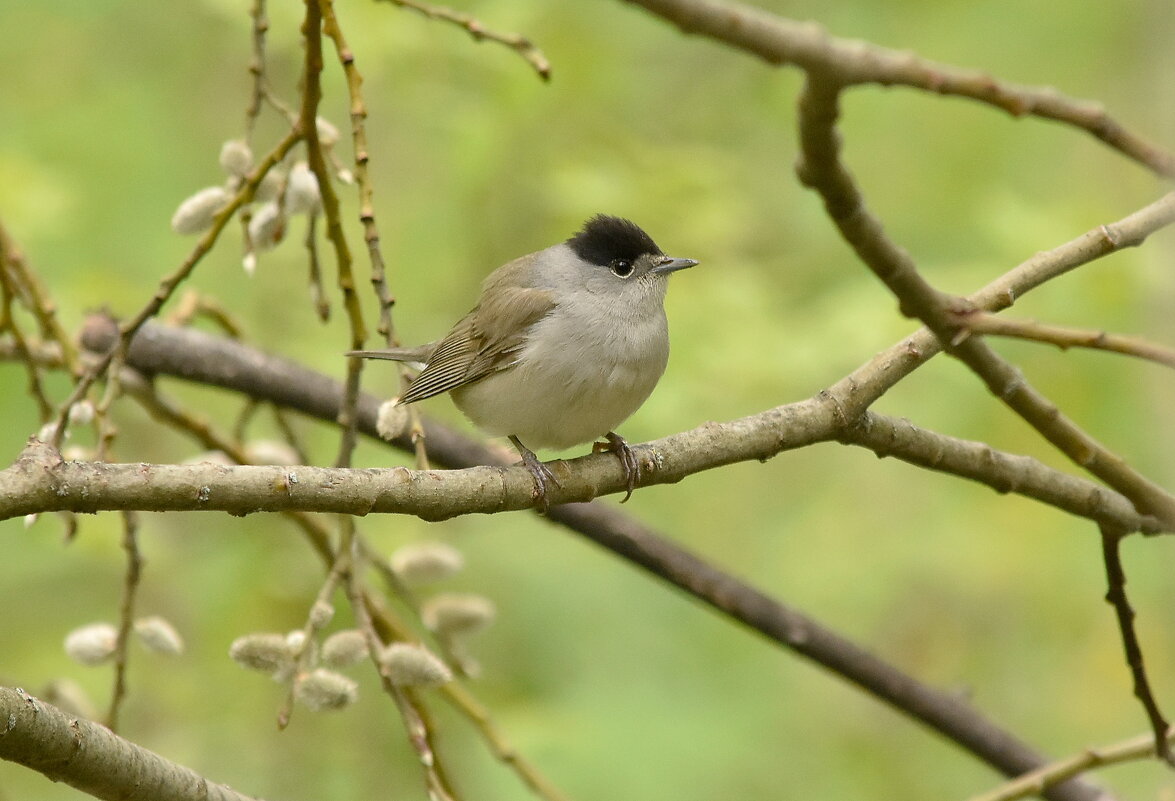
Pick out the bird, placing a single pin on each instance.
(563, 345)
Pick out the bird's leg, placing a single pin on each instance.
(632, 465)
(538, 471)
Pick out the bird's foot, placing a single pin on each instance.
(542, 475)
(628, 460)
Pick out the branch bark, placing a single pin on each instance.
(91, 758)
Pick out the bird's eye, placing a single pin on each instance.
(622, 268)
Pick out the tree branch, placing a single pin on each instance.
(820, 168)
(1116, 597)
(93, 759)
(208, 359)
(807, 45)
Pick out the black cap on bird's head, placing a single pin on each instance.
(605, 239)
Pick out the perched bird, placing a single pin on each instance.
(562, 346)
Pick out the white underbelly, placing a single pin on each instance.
(560, 397)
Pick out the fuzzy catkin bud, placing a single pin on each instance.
(270, 187)
(195, 214)
(391, 420)
(321, 614)
(92, 644)
(344, 648)
(267, 227)
(414, 666)
(457, 613)
(159, 635)
(236, 158)
(426, 562)
(323, 689)
(266, 653)
(302, 196)
(81, 413)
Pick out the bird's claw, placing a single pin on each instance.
(540, 472)
(628, 460)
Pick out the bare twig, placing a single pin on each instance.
(8, 323)
(979, 322)
(308, 125)
(1039, 780)
(259, 28)
(339, 572)
(1116, 597)
(318, 294)
(379, 282)
(126, 613)
(519, 44)
(779, 40)
(39, 302)
(193, 304)
(419, 735)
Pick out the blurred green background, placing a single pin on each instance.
(617, 687)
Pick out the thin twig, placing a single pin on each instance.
(980, 322)
(366, 189)
(126, 613)
(8, 296)
(516, 42)
(418, 732)
(193, 304)
(779, 40)
(259, 29)
(308, 125)
(1116, 597)
(340, 570)
(318, 294)
(38, 300)
(1039, 780)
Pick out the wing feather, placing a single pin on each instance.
(483, 341)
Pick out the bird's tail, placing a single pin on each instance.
(419, 354)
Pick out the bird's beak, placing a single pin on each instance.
(672, 265)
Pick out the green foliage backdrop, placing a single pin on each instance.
(111, 113)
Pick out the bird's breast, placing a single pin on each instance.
(577, 377)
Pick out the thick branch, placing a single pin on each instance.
(93, 759)
(201, 357)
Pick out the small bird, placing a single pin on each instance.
(562, 346)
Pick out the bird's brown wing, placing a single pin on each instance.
(483, 341)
